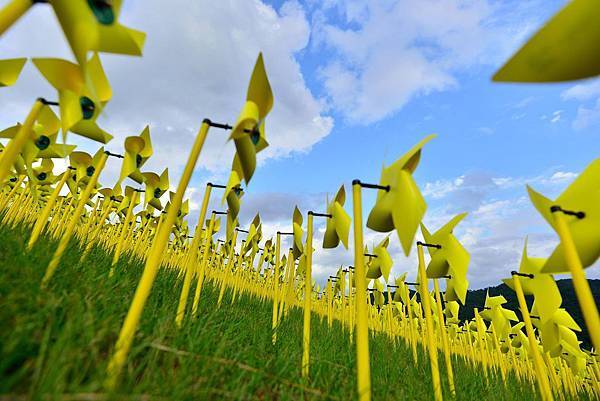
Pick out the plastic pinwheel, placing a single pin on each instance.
(381, 264)
(81, 95)
(138, 150)
(402, 206)
(10, 69)
(88, 25)
(564, 49)
(541, 285)
(338, 225)
(499, 316)
(575, 216)
(558, 329)
(449, 259)
(156, 187)
(248, 132)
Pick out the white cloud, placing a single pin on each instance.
(587, 117)
(389, 52)
(582, 91)
(556, 116)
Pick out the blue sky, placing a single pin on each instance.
(356, 84)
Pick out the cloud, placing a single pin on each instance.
(386, 53)
(582, 91)
(197, 61)
(556, 116)
(587, 117)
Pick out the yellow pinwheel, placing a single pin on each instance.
(138, 150)
(10, 69)
(449, 253)
(248, 131)
(81, 95)
(564, 49)
(93, 26)
(498, 315)
(402, 206)
(338, 225)
(401, 294)
(559, 328)
(583, 198)
(542, 286)
(298, 248)
(156, 186)
(43, 173)
(381, 264)
(574, 356)
(42, 141)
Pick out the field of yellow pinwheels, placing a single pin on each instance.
(127, 284)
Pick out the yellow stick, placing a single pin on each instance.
(97, 229)
(582, 287)
(533, 345)
(16, 144)
(64, 241)
(12, 12)
(207, 239)
(227, 269)
(187, 281)
(363, 367)
(431, 344)
(124, 230)
(307, 299)
(449, 371)
(152, 264)
(275, 317)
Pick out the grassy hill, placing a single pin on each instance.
(55, 343)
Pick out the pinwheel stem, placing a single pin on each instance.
(582, 287)
(543, 383)
(187, 280)
(363, 367)
(16, 144)
(66, 237)
(446, 346)
(13, 11)
(431, 345)
(275, 316)
(152, 265)
(307, 298)
(207, 239)
(123, 232)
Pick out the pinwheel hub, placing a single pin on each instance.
(87, 107)
(103, 11)
(255, 136)
(42, 176)
(42, 142)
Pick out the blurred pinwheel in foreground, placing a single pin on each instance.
(88, 25)
(564, 49)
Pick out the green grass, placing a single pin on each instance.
(55, 343)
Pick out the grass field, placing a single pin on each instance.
(55, 343)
